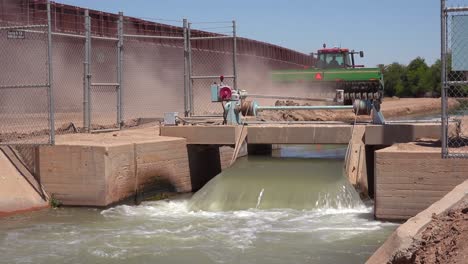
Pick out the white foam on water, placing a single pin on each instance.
(260, 198)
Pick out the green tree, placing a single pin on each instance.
(393, 78)
(416, 77)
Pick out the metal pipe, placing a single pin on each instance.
(457, 83)
(413, 121)
(105, 130)
(23, 27)
(297, 122)
(105, 38)
(120, 44)
(189, 47)
(105, 84)
(50, 77)
(443, 28)
(20, 86)
(87, 74)
(217, 37)
(234, 53)
(68, 35)
(290, 98)
(186, 70)
(304, 107)
(151, 37)
(212, 77)
(455, 9)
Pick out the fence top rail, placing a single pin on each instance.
(456, 9)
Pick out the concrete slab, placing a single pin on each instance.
(204, 135)
(390, 134)
(410, 177)
(101, 169)
(299, 134)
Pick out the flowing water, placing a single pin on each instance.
(283, 209)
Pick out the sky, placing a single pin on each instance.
(386, 30)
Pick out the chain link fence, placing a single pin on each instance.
(25, 81)
(211, 55)
(153, 70)
(110, 70)
(455, 77)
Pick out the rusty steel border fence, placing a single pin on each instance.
(454, 76)
(110, 70)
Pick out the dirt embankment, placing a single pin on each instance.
(444, 240)
(391, 108)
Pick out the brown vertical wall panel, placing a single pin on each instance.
(69, 19)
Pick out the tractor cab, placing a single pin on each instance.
(336, 58)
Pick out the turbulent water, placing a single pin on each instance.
(262, 210)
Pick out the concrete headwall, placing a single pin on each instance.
(102, 169)
(410, 177)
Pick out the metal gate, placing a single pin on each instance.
(26, 100)
(103, 79)
(209, 57)
(454, 60)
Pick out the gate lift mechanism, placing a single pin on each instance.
(236, 107)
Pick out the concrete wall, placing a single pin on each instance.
(410, 232)
(410, 177)
(99, 174)
(16, 193)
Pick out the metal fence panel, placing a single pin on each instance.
(153, 70)
(24, 84)
(104, 83)
(67, 59)
(454, 40)
(153, 77)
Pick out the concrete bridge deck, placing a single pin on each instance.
(302, 133)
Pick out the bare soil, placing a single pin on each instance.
(444, 240)
(391, 108)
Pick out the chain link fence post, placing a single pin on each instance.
(190, 72)
(120, 44)
(443, 78)
(87, 75)
(50, 77)
(454, 78)
(234, 53)
(186, 70)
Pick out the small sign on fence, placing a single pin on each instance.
(16, 34)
